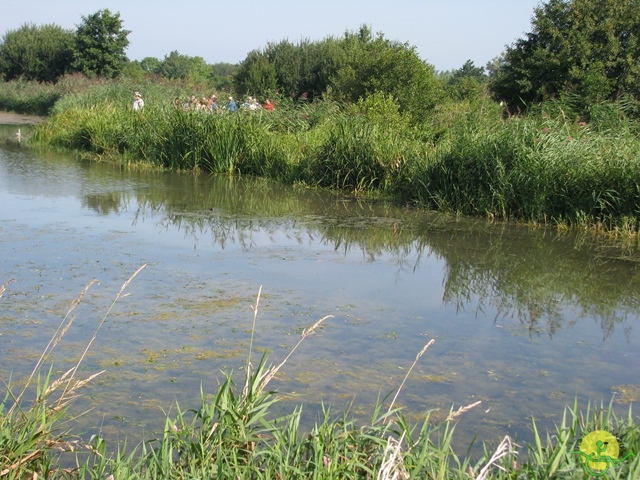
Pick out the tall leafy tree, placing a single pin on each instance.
(587, 47)
(100, 44)
(184, 67)
(151, 64)
(467, 82)
(256, 75)
(42, 53)
(378, 65)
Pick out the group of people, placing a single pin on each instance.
(211, 104)
(208, 105)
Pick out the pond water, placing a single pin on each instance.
(524, 320)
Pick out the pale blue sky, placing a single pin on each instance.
(446, 33)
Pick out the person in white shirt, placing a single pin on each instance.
(138, 103)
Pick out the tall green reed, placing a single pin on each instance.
(25, 97)
(544, 171)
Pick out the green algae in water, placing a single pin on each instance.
(627, 393)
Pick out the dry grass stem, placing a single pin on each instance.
(76, 301)
(461, 410)
(309, 331)
(55, 339)
(305, 333)
(418, 356)
(253, 328)
(57, 382)
(70, 393)
(392, 467)
(505, 448)
(4, 287)
(127, 282)
(18, 463)
(249, 366)
(95, 334)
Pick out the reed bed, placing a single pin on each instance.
(28, 97)
(234, 433)
(545, 171)
(549, 167)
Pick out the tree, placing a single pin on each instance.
(291, 69)
(151, 65)
(134, 71)
(590, 48)
(100, 44)
(43, 53)
(221, 75)
(493, 66)
(379, 65)
(467, 83)
(178, 66)
(353, 67)
(256, 75)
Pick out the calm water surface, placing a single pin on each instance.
(525, 320)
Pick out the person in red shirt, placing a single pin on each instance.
(268, 105)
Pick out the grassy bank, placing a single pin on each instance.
(234, 432)
(549, 167)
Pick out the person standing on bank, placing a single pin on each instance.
(138, 103)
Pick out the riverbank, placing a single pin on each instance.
(544, 170)
(549, 167)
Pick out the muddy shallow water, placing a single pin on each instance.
(524, 320)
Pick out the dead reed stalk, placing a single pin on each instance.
(4, 286)
(393, 467)
(418, 356)
(453, 415)
(505, 448)
(305, 333)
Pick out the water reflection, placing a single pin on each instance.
(544, 279)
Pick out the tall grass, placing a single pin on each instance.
(548, 167)
(545, 170)
(28, 97)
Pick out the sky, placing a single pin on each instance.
(445, 33)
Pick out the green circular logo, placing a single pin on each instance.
(599, 448)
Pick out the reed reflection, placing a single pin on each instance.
(544, 279)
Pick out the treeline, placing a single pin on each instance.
(46, 53)
(589, 50)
